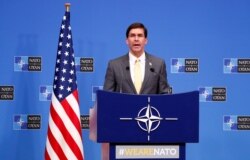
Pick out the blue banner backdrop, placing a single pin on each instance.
(205, 44)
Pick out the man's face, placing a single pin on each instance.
(136, 41)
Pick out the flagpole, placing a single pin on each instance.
(67, 6)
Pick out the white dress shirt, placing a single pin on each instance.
(132, 60)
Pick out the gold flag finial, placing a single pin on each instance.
(67, 5)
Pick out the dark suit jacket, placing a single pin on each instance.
(118, 78)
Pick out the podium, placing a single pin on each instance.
(153, 127)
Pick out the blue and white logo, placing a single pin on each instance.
(148, 118)
(230, 123)
(212, 94)
(45, 93)
(20, 122)
(25, 63)
(21, 63)
(205, 94)
(184, 65)
(230, 65)
(23, 122)
(178, 65)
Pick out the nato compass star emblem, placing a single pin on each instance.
(230, 65)
(230, 123)
(146, 119)
(149, 118)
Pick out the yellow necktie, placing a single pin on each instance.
(137, 76)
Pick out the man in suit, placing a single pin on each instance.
(123, 75)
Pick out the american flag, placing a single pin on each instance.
(64, 138)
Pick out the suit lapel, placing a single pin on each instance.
(127, 76)
(147, 73)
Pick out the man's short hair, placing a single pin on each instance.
(137, 25)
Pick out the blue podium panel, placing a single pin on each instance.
(149, 119)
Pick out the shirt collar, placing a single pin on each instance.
(132, 58)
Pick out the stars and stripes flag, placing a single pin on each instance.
(64, 138)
